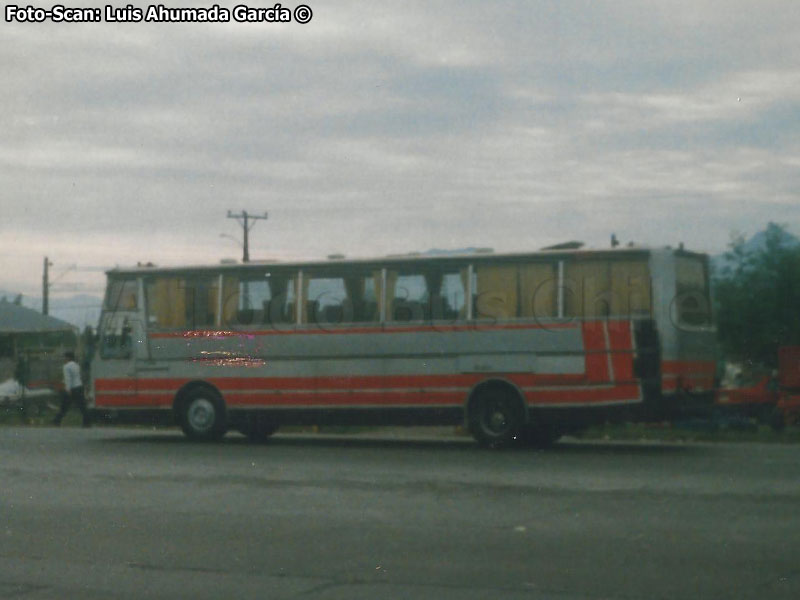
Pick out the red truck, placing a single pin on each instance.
(773, 399)
(787, 409)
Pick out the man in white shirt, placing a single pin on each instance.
(73, 390)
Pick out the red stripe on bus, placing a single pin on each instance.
(361, 330)
(619, 333)
(588, 396)
(345, 382)
(594, 343)
(687, 374)
(345, 399)
(115, 385)
(337, 382)
(671, 384)
(689, 366)
(342, 399)
(133, 400)
(624, 392)
(693, 376)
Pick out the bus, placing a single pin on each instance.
(523, 346)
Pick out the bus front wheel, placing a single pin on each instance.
(202, 414)
(495, 416)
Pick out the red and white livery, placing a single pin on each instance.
(525, 346)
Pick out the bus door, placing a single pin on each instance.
(123, 345)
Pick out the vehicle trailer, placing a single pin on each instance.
(756, 401)
(787, 410)
(773, 399)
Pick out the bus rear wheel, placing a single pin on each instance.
(202, 414)
(495, 417)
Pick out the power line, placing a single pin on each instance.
(244, 220)
(45, 285)
(97, 306)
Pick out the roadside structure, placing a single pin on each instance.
(32, 345)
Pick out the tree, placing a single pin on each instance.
(758, 298)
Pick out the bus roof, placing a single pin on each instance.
(405, 259)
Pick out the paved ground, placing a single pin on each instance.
(135, 514)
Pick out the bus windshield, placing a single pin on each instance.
(692, 297)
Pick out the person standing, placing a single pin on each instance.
(73, 390)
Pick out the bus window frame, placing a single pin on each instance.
(606, 295)
(556, 265)
(343, 272)
(424, 269)
(676, 310)
(188, 279)
(297, 276)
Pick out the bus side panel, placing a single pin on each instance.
(428, 368)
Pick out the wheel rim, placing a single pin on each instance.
(496, 419)
(201, 415)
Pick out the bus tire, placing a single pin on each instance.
(496, 416)
(201, 413)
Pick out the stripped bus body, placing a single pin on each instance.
(525, 345)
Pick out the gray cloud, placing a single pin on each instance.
(389, 127)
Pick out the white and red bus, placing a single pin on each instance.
(528, 345)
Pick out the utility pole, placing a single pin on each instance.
(244, 220)
(45, 286)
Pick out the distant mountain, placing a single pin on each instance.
(26, 301)
(79, 310)
(756, 243)
(457, 251)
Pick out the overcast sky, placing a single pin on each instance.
(396, 126)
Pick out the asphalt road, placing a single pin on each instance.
(129, 513)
